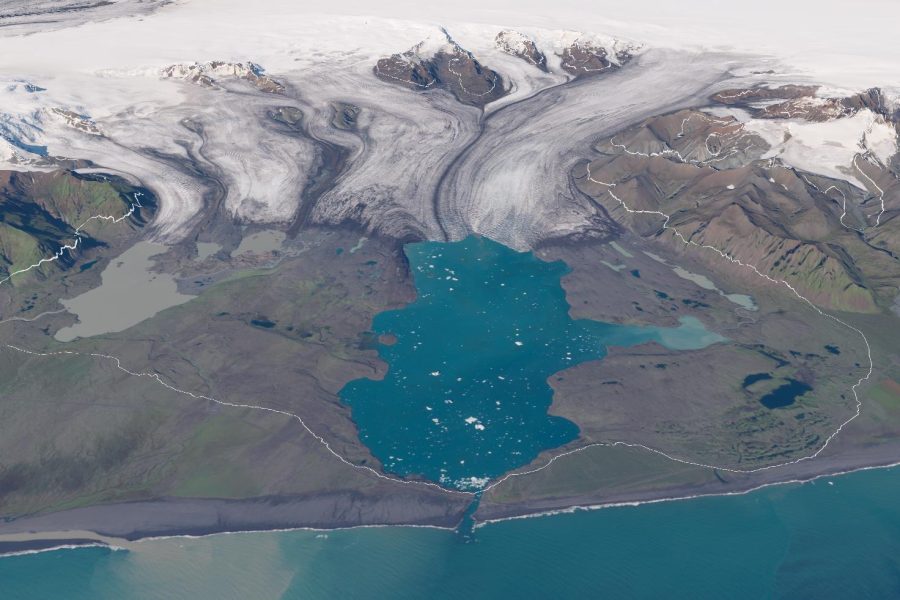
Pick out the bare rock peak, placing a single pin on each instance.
(208, 74)
(345, 115)
(444, 65)
(738, 96)
(520, 45)
(805, 102)
(77, 121)
(586, 57)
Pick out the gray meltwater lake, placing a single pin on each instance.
(129, 293)
(465, 398)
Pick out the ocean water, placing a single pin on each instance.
(834, 538)
(466, 395)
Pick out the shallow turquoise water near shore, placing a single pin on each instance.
(795, 541)
(466, 395)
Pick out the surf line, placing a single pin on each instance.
(666, 218)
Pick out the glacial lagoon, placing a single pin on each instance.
(465, 398)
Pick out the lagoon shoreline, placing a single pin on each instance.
(120, 526)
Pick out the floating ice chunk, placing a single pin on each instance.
(472, 483)
(479, 426)
(471, 420)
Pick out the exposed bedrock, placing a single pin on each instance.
(448, 67)
(802, 102)
(583, 59)
(518, 44)
(206, 74)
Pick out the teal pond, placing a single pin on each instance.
(465, 398)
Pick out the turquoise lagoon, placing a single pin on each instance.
(465, 398)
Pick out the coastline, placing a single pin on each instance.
(636, 503)
(61, 530)
(850, 460)
(124, 523)
(18, 544)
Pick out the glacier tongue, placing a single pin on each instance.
(275, 116)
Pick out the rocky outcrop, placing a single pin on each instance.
(445, 65)
(771, 216)
(76, 121)
(693, 137)
(345, 115)
(745, 96)
(873, 99)
(520, 45)
(801, 102)
(584, 58)
(208, 74)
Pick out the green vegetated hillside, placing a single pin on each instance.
(777, 218)
(40, 212)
